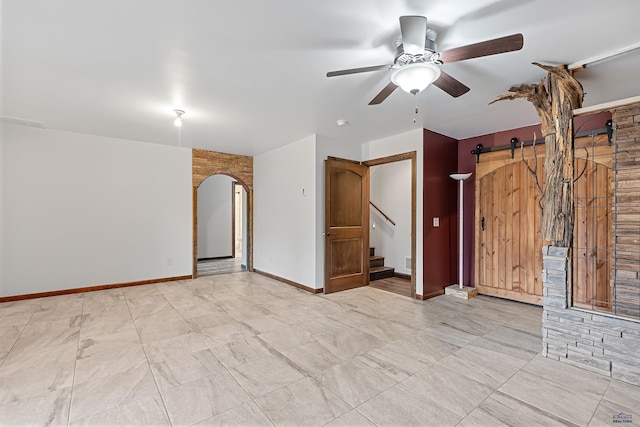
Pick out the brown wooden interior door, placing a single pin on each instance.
(346, 225)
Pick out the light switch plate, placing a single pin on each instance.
(436, 222)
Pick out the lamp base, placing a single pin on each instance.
(466, 292)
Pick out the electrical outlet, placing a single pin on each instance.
(169, 261)
(436, 222)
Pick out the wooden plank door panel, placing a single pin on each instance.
(508, 239)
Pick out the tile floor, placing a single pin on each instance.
(208, 267)
(244, 350)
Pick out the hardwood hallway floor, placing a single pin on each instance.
(393, 284)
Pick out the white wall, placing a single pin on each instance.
(215, 219)
(327, 146)
(396, 144)
(2, 138)
(82, 210)
(285, 211)
(391, 192)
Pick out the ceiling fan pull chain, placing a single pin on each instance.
(414, 119)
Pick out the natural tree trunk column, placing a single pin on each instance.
(554, 99)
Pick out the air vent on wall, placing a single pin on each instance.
(23, 122)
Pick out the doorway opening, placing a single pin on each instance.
(221, 215)
(393, 223)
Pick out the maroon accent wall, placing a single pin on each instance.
(440, 200)
(467, 163)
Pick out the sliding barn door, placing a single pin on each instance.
(508, 239)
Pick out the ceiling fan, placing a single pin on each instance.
(417, 60)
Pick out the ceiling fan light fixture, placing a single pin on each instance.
(414, 78)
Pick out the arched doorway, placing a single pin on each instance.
(240, 168)
(222, 224)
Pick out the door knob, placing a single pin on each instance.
(326, 233)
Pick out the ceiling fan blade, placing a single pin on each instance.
(450, 85)
(384, 93)
(485, 48)
(414, 34)
(358, 70)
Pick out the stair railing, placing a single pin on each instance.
(382, 213)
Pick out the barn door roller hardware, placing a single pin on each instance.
(515, 143)
(477, 152)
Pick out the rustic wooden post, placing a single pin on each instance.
(554, 99)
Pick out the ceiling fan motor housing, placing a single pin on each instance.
(403, 58)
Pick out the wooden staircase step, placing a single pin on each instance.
(376, 261)
(377, 273)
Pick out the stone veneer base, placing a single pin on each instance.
(604, 344)
(466, 292)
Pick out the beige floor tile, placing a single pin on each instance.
(210, 320)
(450, 389)
(9, 336)
(400, 406)
(287, 338)
(46, 340)
(140, 291)
(109, 392)
(221, 335)
(350, 343)
(502, 410)
(303, 403)
(264, 324)
(242, 350)
(266, 374)
(612, 413)
(50, 409)
(312, 358)
(387, 330)
(553, 397)
(46, 325)
(248, 414)
(209, 345)
(147, 305)
(95, 325)
(178, 368)
(23, 376)
(204, 398)
(450, 334)
(188, 343)
(148, 411)
(355, 382)
(623, 393)
(351, 419)
(486, 366)
(102, 365)
(571, 377)
(108, 343)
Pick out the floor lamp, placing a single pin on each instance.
(460, 290)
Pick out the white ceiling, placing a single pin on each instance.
(250, 74)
